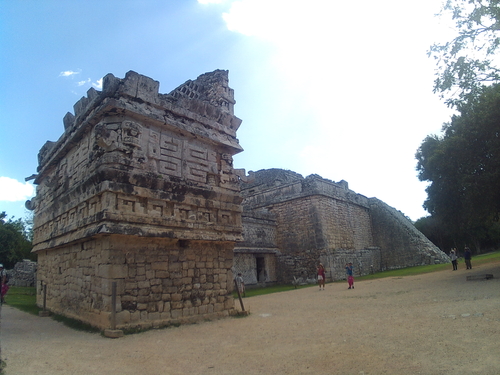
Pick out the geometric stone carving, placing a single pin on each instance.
(140, 190)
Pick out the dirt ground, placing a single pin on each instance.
(436, 323)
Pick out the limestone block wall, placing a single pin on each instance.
(299, 265)
(345, 225)
(365, 262)
(318, 220)
(159, 281)
(314, 217)
(401, 243)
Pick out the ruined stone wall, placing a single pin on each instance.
(136, 163)
(159, 282)
(401, 243)
(314, 217)
(23, 274)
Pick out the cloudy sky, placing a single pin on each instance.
(339, 89)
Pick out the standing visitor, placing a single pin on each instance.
(350, 278)
(240, 284)
(3, 280)
(453, 257)
(467, 257)
(321, 276)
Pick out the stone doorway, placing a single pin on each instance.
(261, 269)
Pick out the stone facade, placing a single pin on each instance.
(303, 221)
(140, 191)
(23, 274)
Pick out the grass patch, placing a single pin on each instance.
(419, 270)
(22, 298)
(251, 292)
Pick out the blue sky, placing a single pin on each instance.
(339, 89)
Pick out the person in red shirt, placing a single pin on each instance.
(321, 276)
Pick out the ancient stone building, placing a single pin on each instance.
(138, 202)
(291, 223)
(140, 191)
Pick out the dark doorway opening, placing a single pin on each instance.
(261, 269)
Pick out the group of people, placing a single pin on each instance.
(467, 258)
(349, 270)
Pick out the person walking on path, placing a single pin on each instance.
(453, 257)
(350, 278)
(468, 257)
(321, 276)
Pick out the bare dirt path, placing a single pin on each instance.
(437, 323)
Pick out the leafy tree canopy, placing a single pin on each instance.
(467, 62)
(15, 241)
(463, 167)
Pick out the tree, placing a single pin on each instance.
(435, 231)
(15, 244)
(463, 168)
(466, 63)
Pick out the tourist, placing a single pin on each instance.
(321, 276)
(453, 257)
(4, 286)
(467, 258)
(240, 284)
(350, 278)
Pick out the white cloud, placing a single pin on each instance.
(98, 84)
(12, 190)
(68, 73)
(81, 83)
(357, 75)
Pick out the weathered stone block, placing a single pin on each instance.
(123, 318)
(160, 266)
(144, 284)
(177, 305)
(154, 316)
(112, 271)
(176, 314)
